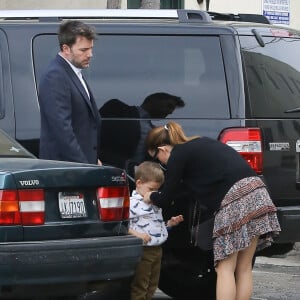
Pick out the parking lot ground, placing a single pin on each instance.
(292, 259)
(274, 278)
(277, 278)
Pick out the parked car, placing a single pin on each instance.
(238, 75)
(62, 226)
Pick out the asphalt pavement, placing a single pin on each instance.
(275, 278)
(291, 259)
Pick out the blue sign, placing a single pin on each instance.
(277, 11)
(277, 17)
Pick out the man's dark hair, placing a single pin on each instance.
(70, 30)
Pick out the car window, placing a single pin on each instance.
(132, 67)
(11, 148)
(273, 76)
(45, 48)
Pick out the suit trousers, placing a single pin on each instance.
(146, 278)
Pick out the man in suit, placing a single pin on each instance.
(70, 121)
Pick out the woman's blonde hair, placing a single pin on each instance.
(169, 134)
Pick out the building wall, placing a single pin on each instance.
(243, 6)
(51, 4)
(232, 6)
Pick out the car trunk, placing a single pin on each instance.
(69, 195)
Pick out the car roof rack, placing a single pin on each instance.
(255, 18)
(188, 16)
(182, 15)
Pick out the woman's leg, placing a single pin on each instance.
(226, 287)
(243, 272)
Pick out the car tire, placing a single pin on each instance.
(186, 274)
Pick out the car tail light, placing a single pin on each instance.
(22, 207)
(113, 203)
(248, 142)
(32, 206)
(9, 208)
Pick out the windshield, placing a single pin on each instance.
(11, 148)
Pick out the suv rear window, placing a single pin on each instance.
(273, 76)
(131, 67)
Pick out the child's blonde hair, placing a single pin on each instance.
(149, 171)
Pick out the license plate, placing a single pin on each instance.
(71, 205)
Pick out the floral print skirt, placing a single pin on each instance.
(246, 212)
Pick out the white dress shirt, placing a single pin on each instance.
(79, 75)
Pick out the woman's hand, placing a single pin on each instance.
(147, 197)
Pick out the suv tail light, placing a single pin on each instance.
(22, 207)
(248, 142)
(113, 203)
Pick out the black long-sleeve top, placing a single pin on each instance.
(205, 167)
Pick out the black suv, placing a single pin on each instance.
(239, 78)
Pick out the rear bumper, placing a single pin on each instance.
(289, 219)
(75, 260)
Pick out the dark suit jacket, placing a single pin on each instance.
(70, 121)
